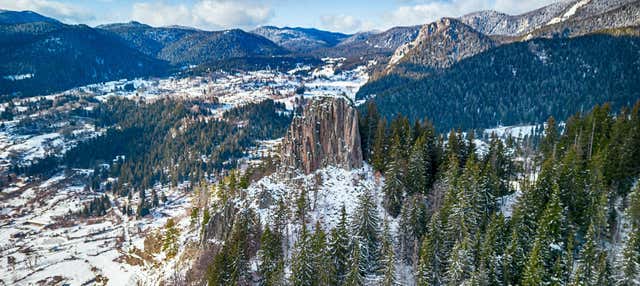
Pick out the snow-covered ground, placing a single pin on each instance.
(328, 189)
(47, 247)
(518, 131)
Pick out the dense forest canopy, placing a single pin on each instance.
(564, 227)
(519, 83)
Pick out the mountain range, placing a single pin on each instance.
(47, 55)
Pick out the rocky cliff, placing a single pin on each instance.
(325, 135)
(438, 46)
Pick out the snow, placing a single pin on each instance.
(518, 131)
(76, 251)
(16, 77)
(328, 189)
(33, 147)
(572, 10)
(508, 203)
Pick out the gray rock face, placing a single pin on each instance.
(579, 16)
(627, 15)
(219, 226)
(439, 45)
(496, 23)
(325, 135)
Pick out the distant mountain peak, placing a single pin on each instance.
(8, 17)
(439, 45)
(300, 39)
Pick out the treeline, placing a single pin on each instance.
(519, 83)
(465, 218)
(282, 64)
(167, 141)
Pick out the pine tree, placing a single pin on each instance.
(630, 272)
(302, 260)
(546, 263)
(272, 267)
(416, 180)
(460, 262)
(380, 146)
(431, 266)
(355, 275)
(394, 187)
(366, 229)
(322, 264)
(170, 241)
(388, 271)
(339, 247)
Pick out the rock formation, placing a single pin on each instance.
(325, 135)
(438, 46)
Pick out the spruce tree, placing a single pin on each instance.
(321, 261)
(355, 275)
(489, 271)
(379, 152)
(414, 218)
(551, 135)
(272, 258)
(546, 262)
(460, 263)
(431, 265)
(302, 260)
(630, 272)
(339, 247)
(394, 187)
(416, 179)
(388, 260)
(170, 240)
(366, 229)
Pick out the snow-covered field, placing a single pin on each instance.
(44, 246)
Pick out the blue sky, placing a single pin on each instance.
(337, 15)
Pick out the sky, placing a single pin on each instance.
(347, 16)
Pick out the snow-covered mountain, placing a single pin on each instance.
(300, 39)
(439, 45)
(583, 11)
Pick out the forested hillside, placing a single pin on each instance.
(41, 58)
(464, 217)
(518, 83)
(166, 141)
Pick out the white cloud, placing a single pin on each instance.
(161, 14)
(421, 12)
(64, 12)
(345, 23)
(230, 14)
(204, 14)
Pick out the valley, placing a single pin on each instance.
(484, 148)
(38, 236)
